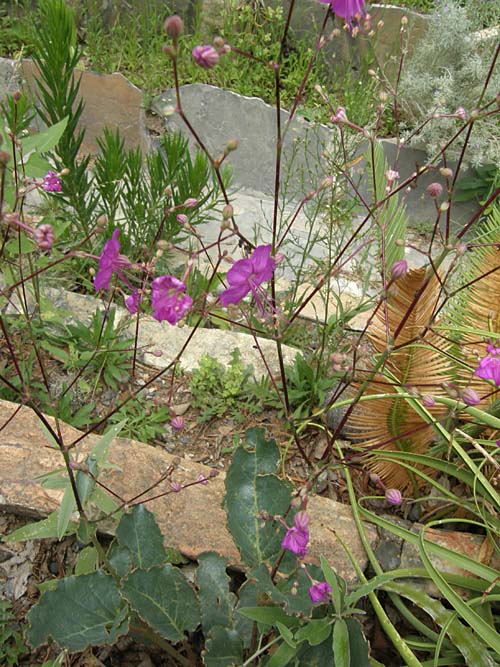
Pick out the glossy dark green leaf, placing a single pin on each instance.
(139, 532)
(217, 602)
(81, 611)
(162, 597)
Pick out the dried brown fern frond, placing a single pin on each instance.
(415, 360)
(476, 306)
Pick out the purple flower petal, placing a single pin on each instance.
(320, 592)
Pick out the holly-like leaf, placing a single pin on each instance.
(162, 597)
(252, 490)
(224, 648)
(217, 602)
(81, 611)
(139, 533)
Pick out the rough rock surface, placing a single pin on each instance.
(192, 521)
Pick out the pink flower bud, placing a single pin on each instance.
(339, 116)
(206, 56)
(182, 218)
(399, 269)
(460, 112)
(393, 497)
(428, 401)
(44, 237)
(191, 202)
(177, 423)
(174, 26)
(434, 190)
(469, 397)
(391, 175)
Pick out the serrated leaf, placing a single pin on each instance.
(217, 602)
(162, 597)
(120, 559)
(341, 649)
(251, 490)
(139, 533)
(87, 561)
(223, 648)
(81, 611)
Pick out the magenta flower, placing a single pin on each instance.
(52, 182)
(132, 302)
(206, 56)
(110, 262)
(177, 423)
(489, 367)
(297, 537)
(169, 300)
(247, 275)
(320, 592)
(44, 236)
(347, 9)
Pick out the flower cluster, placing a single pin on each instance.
(168, 297)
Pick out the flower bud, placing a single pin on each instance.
(326, 183)
(174, 26)
(182, 218)
(44, 236)
(446, 172)
(191, 202)
(393, 497)
(219, 42)
(428, 401)
(227, 212)
(460, 112)
(177, 423)
(170, 51)
(434, 190)
(162, 244)
(4, 158)
(469, 397)
(399, 269)
(232, 145)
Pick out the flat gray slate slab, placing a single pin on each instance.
(192, 521)
(220, 115)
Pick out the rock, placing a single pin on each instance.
(192, 521)
(111, 101)
(220, 115)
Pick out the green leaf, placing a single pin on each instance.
(34, 531)
(217, 602)
(286, 634)
(337, 584)
(317, 656)
(283, 655)
(359, 648)
(80, 611)
(46, 140)
(84, 483)
(162, 597)
(100, 449)
(68, 506)
(251, 490)
(341, 649)
(269, 616)
(474, 651)
(139, 532)
(120, 559)
(315, 631)
(223, 648)
(87, 561)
